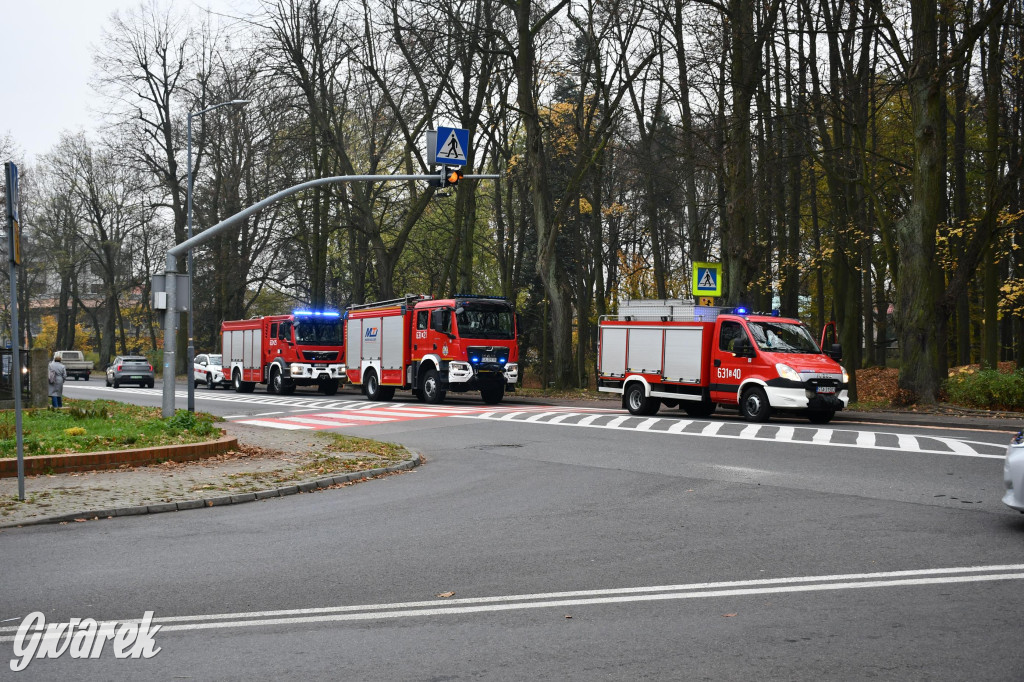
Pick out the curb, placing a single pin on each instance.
(240, 498)
(948, 421)
(113, 459)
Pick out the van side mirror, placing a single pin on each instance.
(836, 352)
(741, 347)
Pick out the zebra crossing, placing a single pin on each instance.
(329, 413)
(809, 435)
(360, 413)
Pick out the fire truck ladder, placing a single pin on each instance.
(405, 300)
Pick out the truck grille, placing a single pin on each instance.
(320, 355)
(487, 355)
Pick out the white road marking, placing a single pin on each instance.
(711, 429)
(318, 422)
(820, 436)
(273, 425)
(364, 418)
(679, 426)
(705, 590)
(750, 431)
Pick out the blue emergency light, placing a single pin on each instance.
(317, 313)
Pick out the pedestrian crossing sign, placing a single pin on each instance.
(452, 146)
(707, 279)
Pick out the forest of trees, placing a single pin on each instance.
(855, 160)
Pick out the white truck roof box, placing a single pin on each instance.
(666, 309)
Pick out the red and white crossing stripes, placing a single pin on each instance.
(363, 417)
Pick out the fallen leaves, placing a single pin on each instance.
(729, 615)
(446, 595)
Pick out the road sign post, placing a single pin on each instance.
(14, 251)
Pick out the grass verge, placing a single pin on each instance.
(94, 425)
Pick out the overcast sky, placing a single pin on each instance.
(47, 67)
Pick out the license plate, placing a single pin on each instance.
(826, 389)
(490, 358)
(135, 376)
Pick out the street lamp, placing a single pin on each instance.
(191, 352)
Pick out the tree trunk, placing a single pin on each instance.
(917, 313)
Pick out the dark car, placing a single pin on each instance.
(130, 369)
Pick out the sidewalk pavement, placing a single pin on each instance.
(272, 463)
(267, 464)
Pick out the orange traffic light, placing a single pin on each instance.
(451, 176)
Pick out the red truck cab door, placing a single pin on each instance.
(731, 359)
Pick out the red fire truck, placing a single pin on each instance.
(676, 353)
(432, 346)
(305, 348)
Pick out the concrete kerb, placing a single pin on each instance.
(305, 486)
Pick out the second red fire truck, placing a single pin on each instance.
(305, 348)
(433, 346)
(673, 353)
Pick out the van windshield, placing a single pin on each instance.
(485, 321)
(783, 337)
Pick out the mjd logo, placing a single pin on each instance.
(371, 333)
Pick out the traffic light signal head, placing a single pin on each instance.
(451, 176)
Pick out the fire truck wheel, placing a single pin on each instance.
(821, 416)
(754, 405)
(373, 389)
(329, 387)
(639, 404)
(430, 389)
(241, 386)
(274, 385)
(492, 395)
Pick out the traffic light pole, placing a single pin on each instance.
(171, 261)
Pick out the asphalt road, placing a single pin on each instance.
(578, 545)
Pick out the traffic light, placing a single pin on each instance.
(451, 176)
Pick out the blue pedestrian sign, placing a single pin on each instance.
(452, 146)
(707, 279)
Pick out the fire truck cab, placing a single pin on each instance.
(675, 353)
(433, 346)
(305, 348)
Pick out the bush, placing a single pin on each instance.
(183, 420)
(987, 388)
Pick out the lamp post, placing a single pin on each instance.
(190, 353)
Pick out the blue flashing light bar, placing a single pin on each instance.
(316, 313)
(740, 311)
(500, 298)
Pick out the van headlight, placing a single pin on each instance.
(787, 372)
(846, 376)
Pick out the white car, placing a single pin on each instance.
(206, 369)
(1013, 474)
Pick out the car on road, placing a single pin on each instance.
(1013, 474)
(75, 363)
(207, 369)
(130, 369)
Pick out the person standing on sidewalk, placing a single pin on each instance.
(56, 374)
